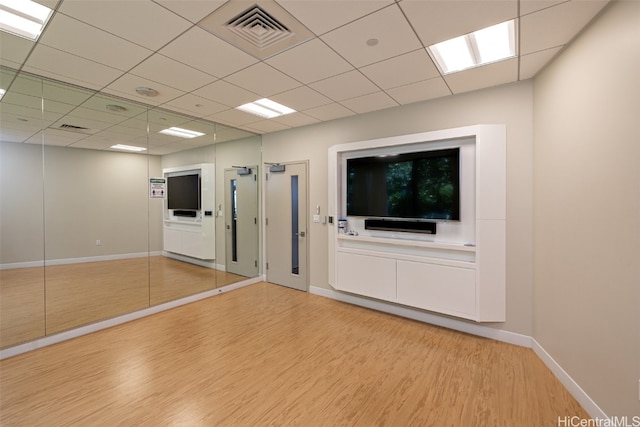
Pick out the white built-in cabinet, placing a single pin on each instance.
(192, 236)
(459, 272)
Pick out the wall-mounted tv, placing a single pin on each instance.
(420, 185)
(183, 192)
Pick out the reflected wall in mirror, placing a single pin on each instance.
(83, 238)
(21, 210)
(96, 207)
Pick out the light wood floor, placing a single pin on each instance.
(40, 301)
(269, 355)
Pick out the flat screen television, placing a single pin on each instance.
(420, 185)
(183, 192)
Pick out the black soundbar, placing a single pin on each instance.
(411, 226)
(178, 212)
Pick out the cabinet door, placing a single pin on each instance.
(367, 275)
(172, 240)
(192, 243)
(445, 289)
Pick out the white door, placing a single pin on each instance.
(286, 225)
(241, 221)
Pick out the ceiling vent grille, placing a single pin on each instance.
(262, 30)
(74, 128)
(258, 27)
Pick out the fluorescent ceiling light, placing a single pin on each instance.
(266, 108)
(2, 92)
(181, 133)
(23, 18)
(482, 47)
(128, 148)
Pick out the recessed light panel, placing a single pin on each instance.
(2, 92)
(128, 147)
(23, 18)
(266, 108)
(491, 44)
(181, 133)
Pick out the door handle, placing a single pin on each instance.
(301, 234)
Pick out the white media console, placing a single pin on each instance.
(460, 270)
(193, 236)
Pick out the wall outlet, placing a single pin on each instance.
(98, 242)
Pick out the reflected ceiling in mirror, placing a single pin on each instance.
(81, 118)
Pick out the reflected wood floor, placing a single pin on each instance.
(269, 355)
(46, 300)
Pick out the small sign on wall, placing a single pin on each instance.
(157, 188)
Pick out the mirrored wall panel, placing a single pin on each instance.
(110, 206)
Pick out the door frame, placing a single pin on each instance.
(265, 169)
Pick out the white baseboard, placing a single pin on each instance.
(94, 327)
(65, 261)
(479, 330)
(576, 391)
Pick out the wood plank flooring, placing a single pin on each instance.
(269, 355)
(40, 301)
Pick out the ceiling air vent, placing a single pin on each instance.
(262, 30)
(258, 27)
(74, 128)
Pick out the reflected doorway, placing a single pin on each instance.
(241, 224)
(286, 225)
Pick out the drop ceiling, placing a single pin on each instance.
(335, 70)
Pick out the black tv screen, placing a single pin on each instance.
(183, 192)
(422, 185)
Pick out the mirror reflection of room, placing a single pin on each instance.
(84, 238)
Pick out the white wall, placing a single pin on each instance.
(21, 204)
(508, 104)
(587, 209)
(87, 195)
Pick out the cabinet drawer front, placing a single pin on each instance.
(439, 288)
(367, 275)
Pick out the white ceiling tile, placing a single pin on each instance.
(436, 21)
(321, 16)
(195, 105)
(59, 65)
(310, 62)
(227, 94)
(530, 6)
(95, 44)
(534, 62)
(126, 86)
(60, 137)
(14, 49)
(388, 26)
(420, 91)
(295, 120)
(193, 10)
(557, 25)
(371, 102)
(329, 112)
(206, 52)
(481, 77)
(301, 98)
(172, 73)
(96, 143)
(100, 102)
(416, 66)
(345, 86)
(235, 117)
(263, 80)
(267, 126)
(140, 21)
